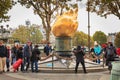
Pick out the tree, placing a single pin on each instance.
(23, 33)
(100, 37)
(35, 34)
(80, 38)
(117, 40)
(5, 6)
(46, 9)
(105, 7)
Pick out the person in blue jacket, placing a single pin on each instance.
(47, 49)
(97, 51)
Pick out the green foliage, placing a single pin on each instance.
(80, 38)
(100, 37)
(5, 6)
(46, 10)
(24, 33)
(35, 35)
(117, 40)
(104, 7)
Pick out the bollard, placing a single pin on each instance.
(115, 72)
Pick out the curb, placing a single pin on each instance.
(59, 71)
(80, 70)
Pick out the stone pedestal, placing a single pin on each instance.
(64, 46)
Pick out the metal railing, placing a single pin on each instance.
(56, 57)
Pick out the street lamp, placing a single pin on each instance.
(88, 26)
(4, 33)
(27, 22)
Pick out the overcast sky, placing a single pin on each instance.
(20, 14)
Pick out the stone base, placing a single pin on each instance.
(64, 53)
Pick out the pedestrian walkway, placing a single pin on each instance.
(7, 77)
(59, 71)
(60, 76)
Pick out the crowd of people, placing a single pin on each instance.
(28, 53)
(31, 55)
(107, 50)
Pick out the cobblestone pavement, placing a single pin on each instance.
(55, 76)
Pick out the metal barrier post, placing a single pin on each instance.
(103, 60)
(52, 60)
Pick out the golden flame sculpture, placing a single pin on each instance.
(66, 24)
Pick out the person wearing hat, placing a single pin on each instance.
(79, 58)
(3, 55)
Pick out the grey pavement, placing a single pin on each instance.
(6, 77)
(57, 76)
(61, 72)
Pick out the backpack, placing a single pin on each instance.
(111, 51)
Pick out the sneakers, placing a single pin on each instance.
(85, 72)
(8, 70)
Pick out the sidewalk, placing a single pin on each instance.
(59, 76)
(61, 72)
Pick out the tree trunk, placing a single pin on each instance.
(48, 35)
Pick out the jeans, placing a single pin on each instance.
(26, 62)
(83, 66)
(98, 60)
(7, 63)
(34, 63)
(13, 60)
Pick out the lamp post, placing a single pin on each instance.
(88, 22)
(111, 37)
(28, 25)
(33, 33)
(4, 33)
(88, 26)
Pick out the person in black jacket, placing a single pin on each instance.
(27, 52)
(14, 51)
(47, 49)
(110, 54)
(79, 58)
(3, 55)
(20, 56)
(34, 59)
